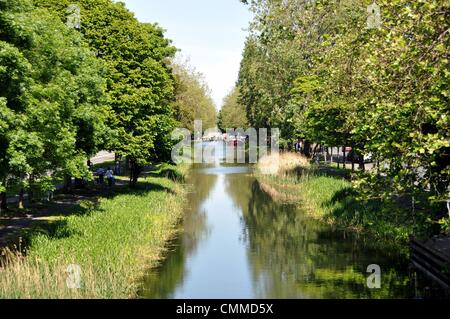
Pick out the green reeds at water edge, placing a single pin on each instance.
(327, 194)
(102, 253)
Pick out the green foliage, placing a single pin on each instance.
(285, 44)
(140, 88)
(445, 225)
(406, 123)
(114, 241)
(52, 96)
(193, 100)
(317, 71)
(232, 115)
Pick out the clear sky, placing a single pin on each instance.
(211, 33)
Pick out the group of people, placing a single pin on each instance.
(108, 173)
(103, 173)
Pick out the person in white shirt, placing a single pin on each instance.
(110, 176)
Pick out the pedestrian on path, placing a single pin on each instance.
(298, 146)
(110, 177)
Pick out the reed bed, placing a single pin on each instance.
(113, 244)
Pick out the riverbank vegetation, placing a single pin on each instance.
(327, 194)
(334, 73)
(77, 77)
(113, 239)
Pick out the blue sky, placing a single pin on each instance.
(211, 33)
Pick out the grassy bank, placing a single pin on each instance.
(113, 240)
(326, 193)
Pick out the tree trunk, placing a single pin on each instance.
(135, 177)
(307, 148)
(362, 165)
(344, 159)
(30, 189)
(30, 195)
(337, 160)
(117, 170)
(21, 199)
(68, 183)
(127, 169)
(315, 149)
(135, 171)
(3, 202)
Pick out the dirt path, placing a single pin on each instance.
(15, 223)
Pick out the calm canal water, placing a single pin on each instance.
(238, 243)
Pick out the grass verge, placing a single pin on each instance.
(327, 194)
(113, 241)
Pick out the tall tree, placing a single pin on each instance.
(232, 114)
(193, 99)
(51, 92)
(380, 88)
(285, 43)
(139, 80)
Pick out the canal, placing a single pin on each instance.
(236, 242)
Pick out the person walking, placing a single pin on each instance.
(298, 146)
(101, 175)
(90, 165)
(110, 176)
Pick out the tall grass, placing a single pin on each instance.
(331, 198)
(113, 243)
(281, 175)
(282, 164)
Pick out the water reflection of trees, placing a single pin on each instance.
(162, 282)
(294, 256)
(291, 255)
(194, 225)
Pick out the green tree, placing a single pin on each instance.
(318, 71)
(193, 100)
(406, 122)
(286, 43)
(384, 91)
(139, 80)
(232, 115)
(52, 92)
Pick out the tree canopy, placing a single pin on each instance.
(318, 70)
(51, 97)
(140, 85)
(70, 88)
(193, 99)
(232, 114)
